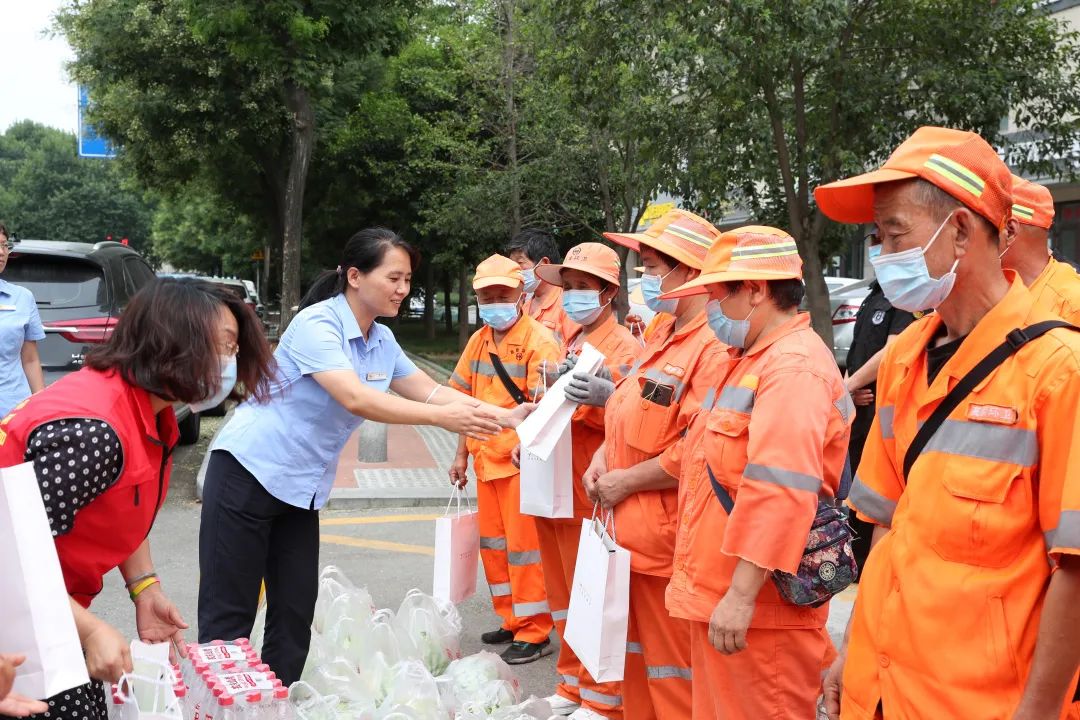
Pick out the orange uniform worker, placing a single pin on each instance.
(961, 612)
(532, 249)
(508, 545)
(672, 376)
(590, 281)
(776, 439)
(1055, 285)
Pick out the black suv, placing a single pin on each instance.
(80, 289)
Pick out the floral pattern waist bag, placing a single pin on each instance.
(828, 562)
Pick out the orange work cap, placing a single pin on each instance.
(1032, 203)
(497, 270)
(960, 163)
(677, 233)
(593, 258)
(753, 252)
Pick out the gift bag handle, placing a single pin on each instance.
(456, 494)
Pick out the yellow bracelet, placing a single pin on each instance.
(135, 591)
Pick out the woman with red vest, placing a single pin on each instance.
(101, 441)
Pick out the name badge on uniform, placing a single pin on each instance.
(8, 308)
(375, 376)
(996, 414)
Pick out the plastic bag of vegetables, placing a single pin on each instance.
(412, 689)
(320, 652)
(532, 709)
(341, 679)
(429, 630)
(339, 597)
(482, 682)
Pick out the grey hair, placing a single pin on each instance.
(941, 203)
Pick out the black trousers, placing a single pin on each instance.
(248, 535)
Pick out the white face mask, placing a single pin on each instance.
(906, 281)
(228, 382)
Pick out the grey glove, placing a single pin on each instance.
(585, 389)
(567, 365)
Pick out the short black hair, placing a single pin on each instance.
(536, 244)
(786, 294)
(3, 230)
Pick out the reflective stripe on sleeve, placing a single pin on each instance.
(885, 421)
(526, 557)
(1066, 536)
(739, 399)
(530, 609)
(871, 504)
(784, 478)
(557, 615)
(455, 378)
(845, 406)
(493, 543)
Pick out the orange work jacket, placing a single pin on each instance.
(524, 350)
(637, 428)
(776, 439)
(551, 315)
(949, 603)
(587, 426)
(1057, 289)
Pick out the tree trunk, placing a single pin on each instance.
(303, 140)
(817, 292)
(509, 72)
(464, 329)
(448, 315)
(429, 300)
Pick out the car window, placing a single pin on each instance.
(136, 274)
(238, 290)
(59, 282)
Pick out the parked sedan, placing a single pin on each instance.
(845, 303)
(81, 289)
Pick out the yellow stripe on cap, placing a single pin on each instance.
(787, 247)
(690, 235)
(1024, 212)
(956, 173)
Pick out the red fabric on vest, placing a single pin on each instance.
(114, 524)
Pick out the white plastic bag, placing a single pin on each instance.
(258, 630)
(413, 690)
(330, 605)
(341, 679)
(147, 691)
(479, 682)
(429, 630)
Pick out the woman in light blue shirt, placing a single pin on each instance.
(273, 465)
(20, 332)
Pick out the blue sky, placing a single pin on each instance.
(33, 84)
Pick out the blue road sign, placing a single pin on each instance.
(91, 144)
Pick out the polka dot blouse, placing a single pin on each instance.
(76, 460)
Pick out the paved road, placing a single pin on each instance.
(387, 549)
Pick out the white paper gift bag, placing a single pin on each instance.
(597, 620)
(542, 429)
(34, 605)
(457, 552)
(547, 486)
(147, 692)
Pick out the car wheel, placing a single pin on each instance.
(190, 428)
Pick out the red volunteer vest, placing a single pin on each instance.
(115, 523)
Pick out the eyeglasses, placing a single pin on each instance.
(230, 349)
(872, 238)
(8, 246)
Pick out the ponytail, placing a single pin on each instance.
(364, 251)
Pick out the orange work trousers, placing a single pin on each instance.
(558, 549)
(656, 683)
(777, 676)
(510, 552)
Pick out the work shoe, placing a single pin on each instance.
(497, 637)
(520, 653)
(560, 705)
(586, 714)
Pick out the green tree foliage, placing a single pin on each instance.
(48, 193)
(806, 91)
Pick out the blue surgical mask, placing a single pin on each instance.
(906, 281)
(875, 252)
(583, 306)
(531, 281)
(728, 331)
(650, 290)
(499, 316)
(228, 382)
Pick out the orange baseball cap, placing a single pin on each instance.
(960, 163)
(1032, 203)
(753, 252)
(593, 258)
(677, 233)
(497, 270)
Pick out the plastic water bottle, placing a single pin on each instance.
(282, 709)
(252, 707)
(226, 708)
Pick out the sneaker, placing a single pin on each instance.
(560, 705)
(497, 637)
(586, 714)
(520, 653)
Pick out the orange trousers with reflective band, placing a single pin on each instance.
(558, 549)
(777, 676)
(510, 552)
(656, 684)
